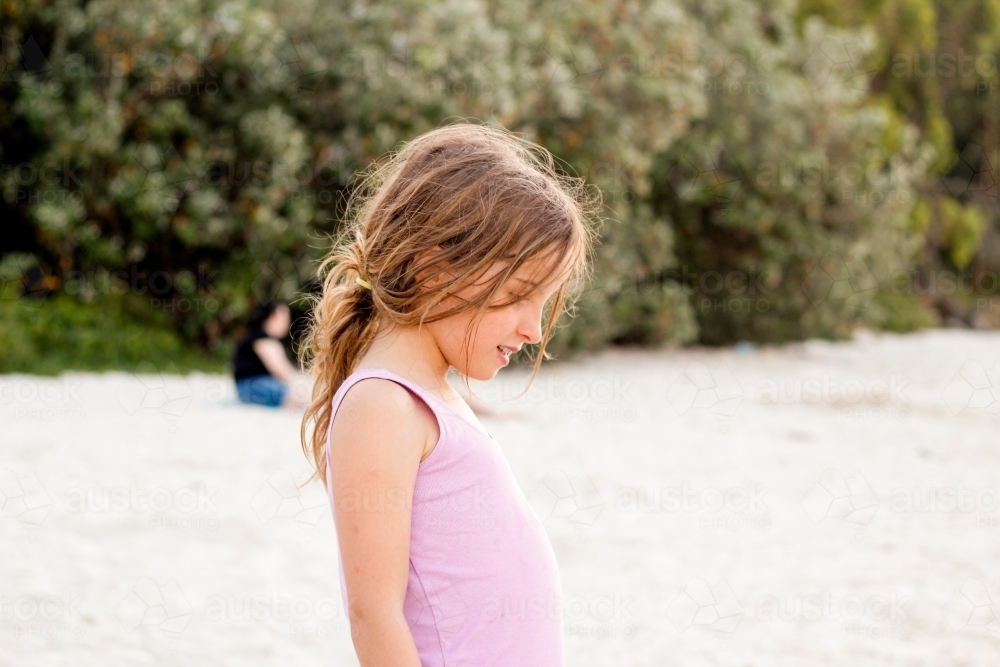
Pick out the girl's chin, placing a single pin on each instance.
(485, 374)
(482, 372)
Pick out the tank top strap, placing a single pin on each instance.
(448, 418)
(432, 401)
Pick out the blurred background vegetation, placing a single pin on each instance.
(772, 170)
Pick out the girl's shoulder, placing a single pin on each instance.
(376, 403)
(374, 394)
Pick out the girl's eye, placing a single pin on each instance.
(511, 299)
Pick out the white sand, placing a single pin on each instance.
(152, 521)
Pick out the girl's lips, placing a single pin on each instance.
(503, 358)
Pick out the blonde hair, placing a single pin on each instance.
(481, 195)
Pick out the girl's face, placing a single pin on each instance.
(510, 326)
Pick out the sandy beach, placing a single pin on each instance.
(812, 504)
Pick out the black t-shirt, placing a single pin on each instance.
(246, 363)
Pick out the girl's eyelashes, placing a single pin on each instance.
(511, 297)
(508, 302)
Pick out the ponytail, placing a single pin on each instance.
(344, 324)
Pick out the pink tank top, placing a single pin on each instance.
(483, 584)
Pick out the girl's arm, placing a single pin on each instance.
(272, 355)
(376, 444)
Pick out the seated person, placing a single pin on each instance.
(262, 372)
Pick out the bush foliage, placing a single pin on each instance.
(193, 156)
(64, 334)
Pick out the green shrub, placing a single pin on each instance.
(196, 154)
(48, 336)
(787, 217)
(906, 312)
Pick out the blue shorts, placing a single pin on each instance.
(261, 390)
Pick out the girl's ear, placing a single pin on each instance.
(435, 272)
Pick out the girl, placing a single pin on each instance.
(462, 245)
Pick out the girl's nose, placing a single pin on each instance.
(531, 326)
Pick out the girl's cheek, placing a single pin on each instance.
(502, 324)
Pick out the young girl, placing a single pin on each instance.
(466, 246)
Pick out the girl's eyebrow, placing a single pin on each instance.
(527, 282)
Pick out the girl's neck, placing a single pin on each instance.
(408, 352)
